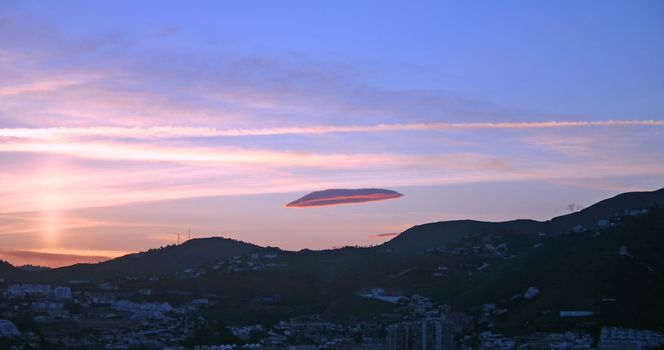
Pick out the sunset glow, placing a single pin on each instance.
(121, 127)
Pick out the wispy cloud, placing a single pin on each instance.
(385, 235)
(57, 257)
(118, 151)
(189, 132)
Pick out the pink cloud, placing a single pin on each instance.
(56, 258)
(343, 196)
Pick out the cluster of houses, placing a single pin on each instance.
(250, 262)
(610, 338)
(77, 319)
(613, 220)
(537, 341)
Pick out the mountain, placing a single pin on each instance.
(445, 233)
(617, 273)
(416, 240)
(609, 207)
(6, 268)
(29, 267)
(441, 234)
(189, 254)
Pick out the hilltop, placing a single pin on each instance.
(441, 234)
(169, 259)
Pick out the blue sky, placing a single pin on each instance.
(251, 105)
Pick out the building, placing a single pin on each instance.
(200, 302)
(496, 341)
(433, 333)
(23, 290)
(548, 341)
(400, 336)
(531, 293)
(579, 229)
(8, 329)
(612, 338)
(62, 293)
(576, 313)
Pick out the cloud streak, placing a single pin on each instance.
(163, 132)
(384, 235)
(57, 257)
(118, 151)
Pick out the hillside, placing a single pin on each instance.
(575, 271)
(617, 273)
(441, 234)
(7, 269)
(609, 207)
(169, 259)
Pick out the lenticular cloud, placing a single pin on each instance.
(343, 196)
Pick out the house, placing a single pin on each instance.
(22, 290)
(62, 293)
(575, 313)
(531, 293)
(579, 229)
(612, 338)
(623, 251)
(8, 329)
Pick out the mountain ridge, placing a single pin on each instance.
(442, 233)
(414, 240)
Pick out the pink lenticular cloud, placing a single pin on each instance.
(343, 196)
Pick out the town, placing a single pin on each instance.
(73, 317)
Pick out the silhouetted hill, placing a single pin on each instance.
(609, 207)
(189, 254)
(441, 234)
(29, 267)
(6, 266)
(8, 270)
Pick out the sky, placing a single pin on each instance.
(124, 123)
